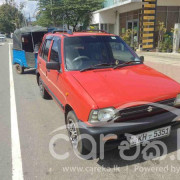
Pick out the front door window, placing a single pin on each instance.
(55, 51)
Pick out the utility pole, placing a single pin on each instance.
(29, 19)
(25, 20)
(12, 3)
(52, 13)
(176, 39)
(51, 7)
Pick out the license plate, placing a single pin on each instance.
(136, 140)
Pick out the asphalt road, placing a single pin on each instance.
(38, 118)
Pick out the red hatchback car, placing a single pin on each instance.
(105, 90)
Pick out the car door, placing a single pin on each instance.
(55, 77)
(43, 59)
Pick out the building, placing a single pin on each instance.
(142, 16)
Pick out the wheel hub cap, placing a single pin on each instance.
(72, 133)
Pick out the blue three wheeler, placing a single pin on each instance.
(26, 43)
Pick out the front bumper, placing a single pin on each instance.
(128, 127)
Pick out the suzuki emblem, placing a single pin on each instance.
(149, 109)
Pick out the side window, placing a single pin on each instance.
(55, 51)
(46, 49)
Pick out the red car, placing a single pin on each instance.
(92, 75)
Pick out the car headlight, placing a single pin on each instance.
(177, 101)
(101, 115)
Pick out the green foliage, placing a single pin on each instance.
(43, 20)
(168, 42)
(10, 18)
(71, 12)
(162, 30)
(127, 36)
(165, 42)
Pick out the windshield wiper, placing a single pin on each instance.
(86, 69)
(95, 66)
(125, 64)
(103, 64)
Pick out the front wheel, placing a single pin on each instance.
(74, 134)
(43, 91)
(19, 69)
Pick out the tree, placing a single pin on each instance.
(10, 18)
(70, 12)
(46, 15)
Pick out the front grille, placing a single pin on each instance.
(141, 111)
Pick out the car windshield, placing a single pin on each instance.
(96, 51)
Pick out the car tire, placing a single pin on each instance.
(19, 69)
(72, 128)
(43, 91)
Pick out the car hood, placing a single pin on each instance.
(116, 87)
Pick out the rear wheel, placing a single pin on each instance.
(74, 134)
(43, 91)
(19, 69)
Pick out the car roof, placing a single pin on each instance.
(76, 34)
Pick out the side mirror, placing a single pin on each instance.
(53, 66)
(141, 58)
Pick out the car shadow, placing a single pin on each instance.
(29, 71)
(112, 158)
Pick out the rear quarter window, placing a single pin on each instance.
(45, 49)
(42, 48)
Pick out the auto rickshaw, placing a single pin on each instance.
(26, 43)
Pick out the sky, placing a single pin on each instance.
(29, 9)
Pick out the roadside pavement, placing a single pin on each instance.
(166, 63)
